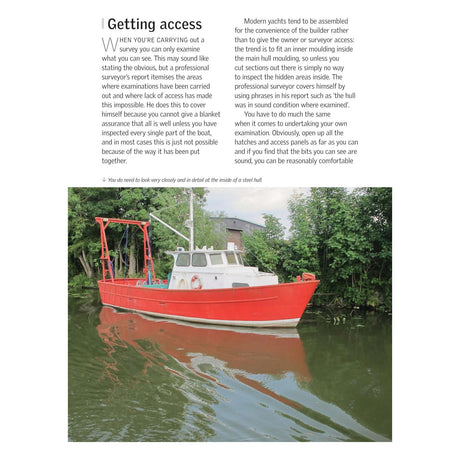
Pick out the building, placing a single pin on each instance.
(236, 227)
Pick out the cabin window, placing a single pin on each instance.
(240, 260)
(240, 285)
(216, 259)
(199, 259)
(183, 260)
(231, 259)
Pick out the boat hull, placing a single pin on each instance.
(279, 305)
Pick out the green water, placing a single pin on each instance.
(133, 378)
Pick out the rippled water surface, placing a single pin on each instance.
(136, 378)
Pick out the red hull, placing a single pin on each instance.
(279, 305)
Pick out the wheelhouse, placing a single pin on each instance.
(208, 268)
(207, 258)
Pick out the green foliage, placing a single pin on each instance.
(344, 238)
(82, 281)
(83, 232)
(347, 239)
(170, 204)
(266, 248)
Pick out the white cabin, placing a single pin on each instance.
(208, 268)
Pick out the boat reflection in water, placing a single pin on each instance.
(175, 381)
(238, 350)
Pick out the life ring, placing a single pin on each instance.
(308, 277)
(195, 282)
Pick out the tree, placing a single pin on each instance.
(344, 237)
(83, 235)
(304, 242)
(375, 206)
(265, 248)
(132, 203)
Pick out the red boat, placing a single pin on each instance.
(207, 286)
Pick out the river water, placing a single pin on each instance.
(136, 378)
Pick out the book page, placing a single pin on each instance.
(261, 105)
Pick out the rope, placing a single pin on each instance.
(111, 268)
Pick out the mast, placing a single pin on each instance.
(191, 242)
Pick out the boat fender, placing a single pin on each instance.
(195, 282)
(308, 277)
(182, 284)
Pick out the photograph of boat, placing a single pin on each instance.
(206, 285)
(171, 339)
